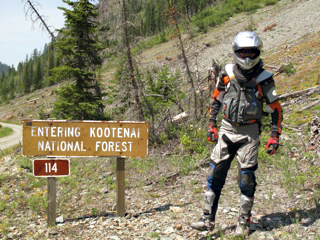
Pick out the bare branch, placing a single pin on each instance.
(31, 6)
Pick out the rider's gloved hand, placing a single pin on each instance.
(212, 132)
(273, 143)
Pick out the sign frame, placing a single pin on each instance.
(51, 167)
(63, 138)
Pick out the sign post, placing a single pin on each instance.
(54, 138)
(51, 168)
(52, 196)
(120, 187)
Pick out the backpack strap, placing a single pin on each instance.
(229, 70)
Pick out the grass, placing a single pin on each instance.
(298, 118)
(5, 131)
(25, 163)
(154, 235)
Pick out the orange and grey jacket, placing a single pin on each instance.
(241, 97)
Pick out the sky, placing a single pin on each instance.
(18, 35)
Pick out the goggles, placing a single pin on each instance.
(251, 53)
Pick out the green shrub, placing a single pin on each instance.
(188, 164)
(3, 205)
(37, 203)
(25, 163)
(220, 13)
(94, 211)
(4, 177)
(171, 131)
(151, 42)
(290, 69)
(38, 182)
(110, 182)
(251, 27)
(194, 139)
(154, 235)
(270, 2)
(298, 118)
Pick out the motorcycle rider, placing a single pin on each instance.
(240, 92)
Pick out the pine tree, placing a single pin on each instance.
(79, 52)
(37, 74)
(26, 81)
(3, 91)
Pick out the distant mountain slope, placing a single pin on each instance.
(3, 67)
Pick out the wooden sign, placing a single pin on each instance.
(51, 167)
(84, 138)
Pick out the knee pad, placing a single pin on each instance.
(217, 176)
(247, 182)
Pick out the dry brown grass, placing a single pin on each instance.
(305, 58)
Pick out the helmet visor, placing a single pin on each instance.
(251, 53)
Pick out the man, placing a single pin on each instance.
(240, 92)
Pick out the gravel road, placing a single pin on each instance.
(12, 139)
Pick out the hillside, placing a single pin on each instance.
(165, 191)
(3, 67)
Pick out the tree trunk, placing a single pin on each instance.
(199, 85)
(172, 12)
(130, 61)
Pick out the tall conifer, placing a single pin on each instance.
(79, 52)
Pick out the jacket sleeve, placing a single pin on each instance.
(217, 97)
(276, 116)
(214, 111)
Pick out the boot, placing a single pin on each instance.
(205, 223)
(243, 226)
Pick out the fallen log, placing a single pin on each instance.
(306, 92)
(301, 98)
(180, 117)
(310, 106)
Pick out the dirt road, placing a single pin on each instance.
(12, 139)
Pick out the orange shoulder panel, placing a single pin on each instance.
(216, 93)
(226, 79)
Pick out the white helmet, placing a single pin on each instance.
(243, 41)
